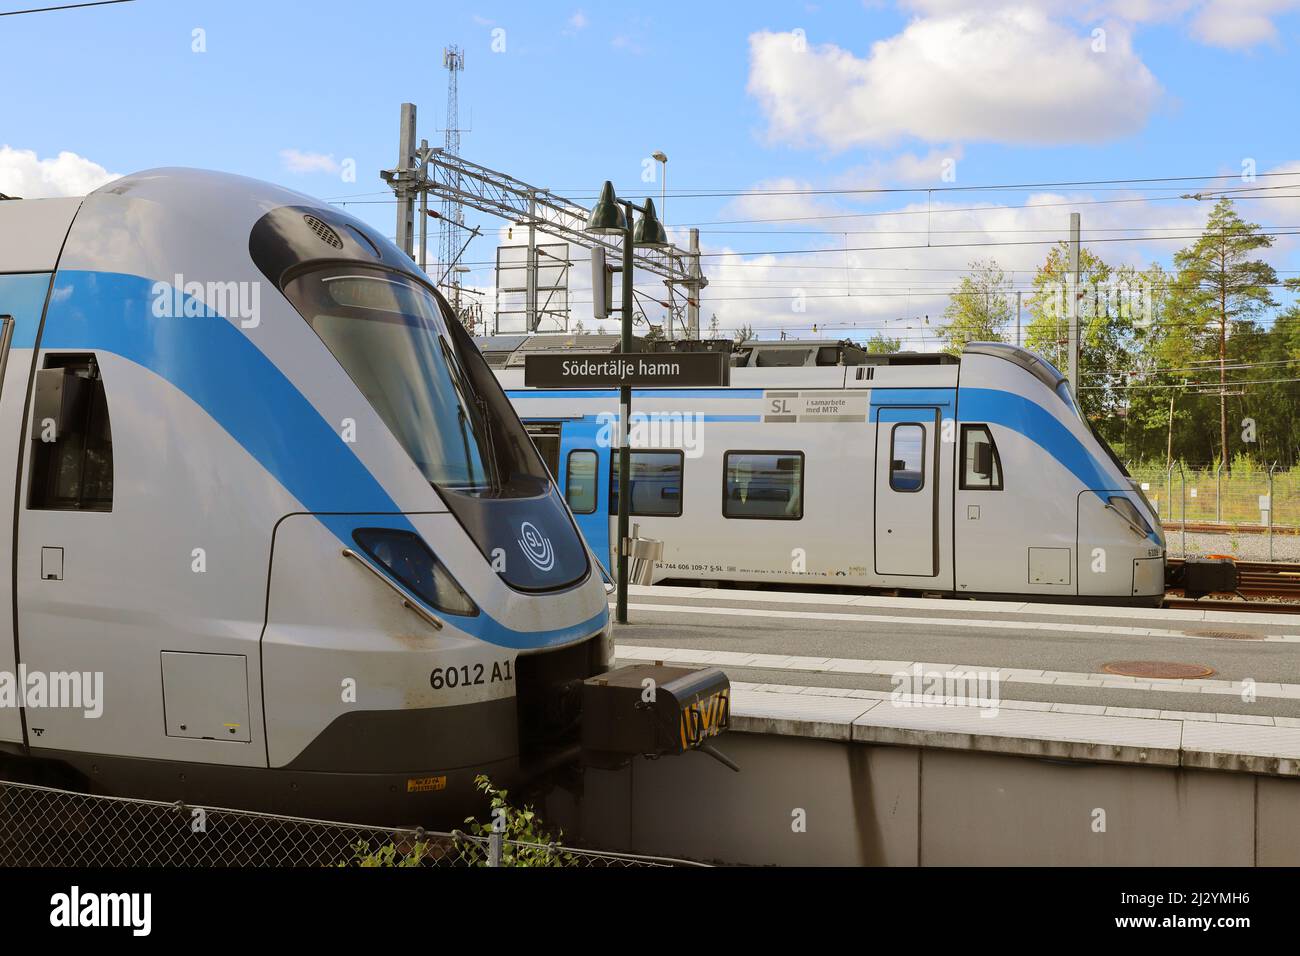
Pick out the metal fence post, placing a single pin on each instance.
(495, 841)
(1169, 490)
(1182, 505)
(1271, 469)
(1218, 494)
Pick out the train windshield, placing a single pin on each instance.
(389, 334)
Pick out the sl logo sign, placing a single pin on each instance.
(536, 547)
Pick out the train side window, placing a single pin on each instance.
(763, 484)
(72, 441)
(907, 457)
(655, 481)
(580, 482)
(981, 469)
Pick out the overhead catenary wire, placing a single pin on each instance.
(63, 6)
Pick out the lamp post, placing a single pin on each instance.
(661, 158)
(612, 216)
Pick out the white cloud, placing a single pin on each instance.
(1234, 24)
(1239, 24)
(1132, 11)
(900, 263)
(578, 21)
(1008, 75)
(25, 175)
(296, 161)
(905, 168)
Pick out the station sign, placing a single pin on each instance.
(627, 369)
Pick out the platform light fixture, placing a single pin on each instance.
(612, 216)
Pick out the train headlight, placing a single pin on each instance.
(1128, 511)
(408, 559)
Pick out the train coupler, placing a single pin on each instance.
(653, 710)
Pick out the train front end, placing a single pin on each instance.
(347, 563)
(1068, 521)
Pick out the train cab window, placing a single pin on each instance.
(580, 483)
(763, 485)
(72, 443)
(907, 457)
(981, 469)
(655, 480)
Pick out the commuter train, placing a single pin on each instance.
(918, 473)
(274, 536)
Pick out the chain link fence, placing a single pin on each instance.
(43, 826)
(1251, 513)
(1212, 495)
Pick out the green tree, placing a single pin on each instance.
(979, 309)
(1219, 282)
(1142, 379)
(1117, 311)
(878, 344)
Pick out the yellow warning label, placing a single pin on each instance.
(423, 784)
(707, 717)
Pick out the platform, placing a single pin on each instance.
(1067, 763)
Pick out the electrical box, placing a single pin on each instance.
(1049, 565)
(1201, 576)
(1148, 575)
(205, 696)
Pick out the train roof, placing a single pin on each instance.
(32, 232)
(789, 363)
(509, 351)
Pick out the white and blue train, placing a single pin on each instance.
(264, 498)
(919, 473)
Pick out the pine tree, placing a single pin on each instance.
(1219, 283)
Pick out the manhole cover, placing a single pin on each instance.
(1163, 670)
(1228, 635)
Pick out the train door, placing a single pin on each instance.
(22, 298)
(583, 459)
(907, 491)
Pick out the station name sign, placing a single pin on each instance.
(628, 369)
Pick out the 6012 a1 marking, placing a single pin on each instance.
(470, 675)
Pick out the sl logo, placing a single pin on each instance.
(536, 547)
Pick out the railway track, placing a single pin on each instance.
(1212, 527)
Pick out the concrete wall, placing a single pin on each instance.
(867, 804)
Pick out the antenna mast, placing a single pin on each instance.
(453, 213)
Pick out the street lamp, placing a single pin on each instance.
(612, 216)
(661, 158)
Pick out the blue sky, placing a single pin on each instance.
(741, 97)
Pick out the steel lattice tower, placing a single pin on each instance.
(453, 213)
